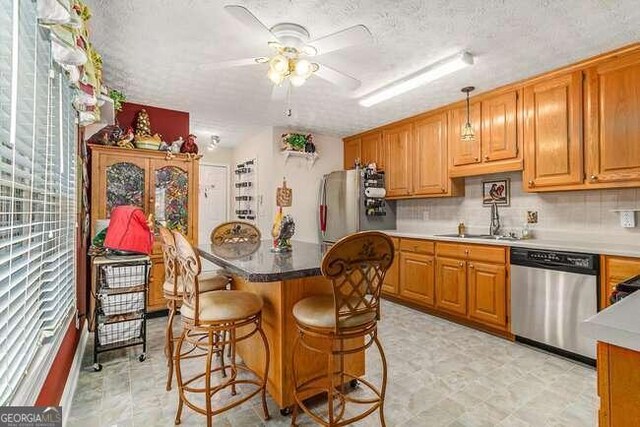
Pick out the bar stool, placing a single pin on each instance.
(342, 324)
(172, 290)
(235, 232)
(231, 316)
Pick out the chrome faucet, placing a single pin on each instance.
(494, 226)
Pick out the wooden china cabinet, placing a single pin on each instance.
(166, 188)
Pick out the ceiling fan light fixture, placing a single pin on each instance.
(276, 77)
(261, 60)
(425, 75)
(303, 68)
(279, 63)
(297, 80)
(309, 50)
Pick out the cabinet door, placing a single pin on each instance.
(614, 120)
(464, 152)
(352, 152)
(487, 293)
(553, 132)
(417, 278)
(451, 285)
(392, 277)
(430, 175)
(155, 297)
(499, 127)
(171, 197)
(397, 143)
(615, 270)
(122, 182)
(372, 149)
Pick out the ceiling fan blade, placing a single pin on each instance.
(279, 92)
(243, 15)
(351, 36)
(228, 64)
(337, 78)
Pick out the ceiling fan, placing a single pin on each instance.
(292, 55)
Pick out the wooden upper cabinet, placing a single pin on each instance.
(398, 161)
(463, 153)
(487, 293)
(372, 150)
(451, 285)
(352, 152)
(613, 122)
(500, 127)
(417, 278)
(430, 175)
(553, 133)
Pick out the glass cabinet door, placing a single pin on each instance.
(171, 198)
(125, 185)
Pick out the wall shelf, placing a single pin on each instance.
(310, 157)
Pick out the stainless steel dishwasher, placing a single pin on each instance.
(551, 293)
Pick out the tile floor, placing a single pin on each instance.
(440, 374)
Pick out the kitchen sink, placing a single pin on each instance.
(479, 236)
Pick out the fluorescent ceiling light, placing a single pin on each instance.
(425, 75)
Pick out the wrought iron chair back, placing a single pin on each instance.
(235, 232)
(356, 266)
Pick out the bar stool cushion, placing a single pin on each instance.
(319, 312)
(207, 281)
(223, 306)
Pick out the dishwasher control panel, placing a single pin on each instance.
(542, 258)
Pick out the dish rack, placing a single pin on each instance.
(120, 313)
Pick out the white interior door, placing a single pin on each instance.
(213, 201)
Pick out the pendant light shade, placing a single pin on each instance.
(467, 133)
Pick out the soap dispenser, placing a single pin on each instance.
(462, 229)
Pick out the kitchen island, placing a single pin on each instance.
(281, 280)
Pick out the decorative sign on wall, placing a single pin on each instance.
(496, 191)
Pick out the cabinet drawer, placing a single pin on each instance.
(487, 253)
(494, 254)
(418, 246)
(451, 250)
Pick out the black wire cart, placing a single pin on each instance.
(120, 314)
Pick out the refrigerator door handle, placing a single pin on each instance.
(323, 206)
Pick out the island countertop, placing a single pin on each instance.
(257, 263)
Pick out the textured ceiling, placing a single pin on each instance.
(152, 48)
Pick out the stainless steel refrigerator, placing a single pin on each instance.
(352, 201)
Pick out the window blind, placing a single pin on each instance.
(37, 200)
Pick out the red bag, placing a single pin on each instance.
(128, 231)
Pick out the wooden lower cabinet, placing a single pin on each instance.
(155, 298)
(487, 285)
(613, 270)
(451, 285)
(392, 277)
(618, 386)
(417, 278)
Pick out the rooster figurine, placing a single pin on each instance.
(190, 146)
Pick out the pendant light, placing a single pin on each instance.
(467, 133)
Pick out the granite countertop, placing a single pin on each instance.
(570, 244)
(618, 324)
(256, 263)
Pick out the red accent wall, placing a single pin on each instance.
(169, 123)
(53, 386)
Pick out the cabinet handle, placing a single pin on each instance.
(470, 265)
(486, 157)
(594, 177)
(466, 251)
(443, 189)
(531, 183)
(460, 263)
(476, 159)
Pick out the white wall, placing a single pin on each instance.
(585, 215)
(302, 179)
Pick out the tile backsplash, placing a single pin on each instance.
(585, 215)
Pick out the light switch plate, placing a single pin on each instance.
(627, 219)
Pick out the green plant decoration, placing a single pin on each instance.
(118, 98)
(294, 141)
